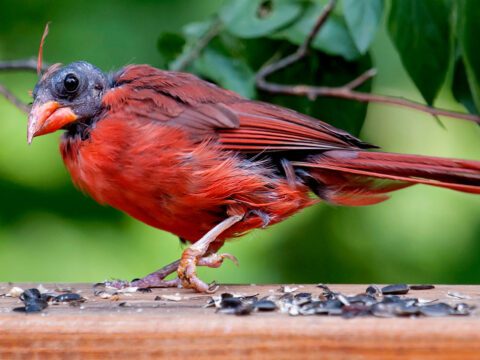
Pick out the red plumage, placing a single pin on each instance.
(183, 155)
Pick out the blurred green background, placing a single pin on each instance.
(50, 232)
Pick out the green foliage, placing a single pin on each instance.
(429, 36)
(170, 46)
(461, 88)
(421, 32)
(255, 18)
(469, 31)
(333, 39)
(363, 18)
(251, 33)
(256, 32)
(235, 73)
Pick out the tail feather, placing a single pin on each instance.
(363, 178)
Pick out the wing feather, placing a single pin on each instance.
(206, 111)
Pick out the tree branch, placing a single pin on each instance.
(18, 65)
(14, 100)
(346, 91)
(181, 63)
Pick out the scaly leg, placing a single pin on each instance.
(157, 278)
(195, 255)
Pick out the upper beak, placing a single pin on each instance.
(48, 117)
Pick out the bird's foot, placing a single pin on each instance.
(187, 269)
(153, 280)
(157, 278)
(196, 254)
(216, 260)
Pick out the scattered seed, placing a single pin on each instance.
(343, 299)
(327, 293)
(302, 298)
(287, 289)
(383, 310)
(439, 309)
(397, 289)
(68, 297)
(33, 300)
(362, 298)
(330, 303)
(293, 311)
(373, 290)
(457, 295)
(265, 305)
(422, 287)
(15, 292)
(425, 301)
(462, 309)
(231, 302)
(354, 310)
(175, 297)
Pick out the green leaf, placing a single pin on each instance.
(333, 38)
(362, 17)
(420, 31)
(193, 34)
(469, 41)
(196, 30)
(255, 18)
(461, 89)
(170, 46)
(233, 73)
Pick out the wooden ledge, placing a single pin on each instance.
(185, 329)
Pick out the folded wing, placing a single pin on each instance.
(206, 112)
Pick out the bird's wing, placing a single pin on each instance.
(206, 111)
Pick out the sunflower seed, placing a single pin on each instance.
(397, 289)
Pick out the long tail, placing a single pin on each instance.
(358, 178)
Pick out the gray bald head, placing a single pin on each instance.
(79, 85)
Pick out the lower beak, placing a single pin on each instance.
(47, 118)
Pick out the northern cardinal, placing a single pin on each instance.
(199, 161)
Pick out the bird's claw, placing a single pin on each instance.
(212, 287)
(216, 260)
(187, 269)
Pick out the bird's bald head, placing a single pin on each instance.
(65, 95)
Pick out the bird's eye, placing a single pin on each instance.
(71, 83)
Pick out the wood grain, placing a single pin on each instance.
(146, 328)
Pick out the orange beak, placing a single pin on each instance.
(47, 118)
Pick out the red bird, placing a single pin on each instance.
(199, 161)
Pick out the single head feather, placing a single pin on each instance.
(40, 50)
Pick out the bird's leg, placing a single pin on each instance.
(195, 255)
(157, 278)
(215, 260)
